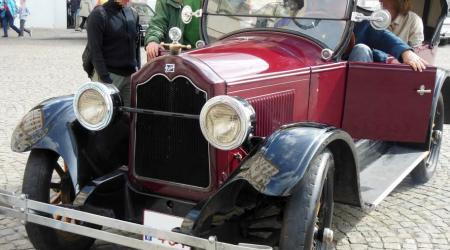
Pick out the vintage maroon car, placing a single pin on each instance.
(245, 143)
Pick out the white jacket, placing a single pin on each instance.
(85, 8)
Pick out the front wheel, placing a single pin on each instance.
(425, 170)
(45, 180)
(309, 211)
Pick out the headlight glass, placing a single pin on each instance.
(222, 124)
(94, 104)
(226, 122)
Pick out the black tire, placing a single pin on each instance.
(37, 185)
(425, 170)
(310, 209)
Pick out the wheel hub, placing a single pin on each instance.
(437, 135)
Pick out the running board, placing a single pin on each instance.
(379, 178)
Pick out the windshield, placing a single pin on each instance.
(322, 20)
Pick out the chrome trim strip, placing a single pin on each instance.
(176, 184)
(157, 112)
(267, 86)
(270, 76)
(322, 69)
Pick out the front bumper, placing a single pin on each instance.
(27, 210)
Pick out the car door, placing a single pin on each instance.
(388, 102)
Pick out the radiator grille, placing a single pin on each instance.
(272, 111)
(167, 148)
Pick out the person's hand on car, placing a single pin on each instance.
(413, 60)
(152, 50)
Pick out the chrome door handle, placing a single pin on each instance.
(423, 91)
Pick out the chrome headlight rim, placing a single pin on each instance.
(107, 91)
(245, 112)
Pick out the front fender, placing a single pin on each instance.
(52, 125)
(48, 126)
(283, 158)
(276, 166)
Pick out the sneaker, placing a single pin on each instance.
(78, 29)
(4, 36)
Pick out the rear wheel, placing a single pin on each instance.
(46, 179)
(425, 170)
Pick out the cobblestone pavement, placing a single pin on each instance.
(31, 70)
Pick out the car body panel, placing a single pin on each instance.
(382, 102)
(257, 55)
(327, 93)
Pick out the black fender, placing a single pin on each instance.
(442, 85)
(52, 125)
(276, 166)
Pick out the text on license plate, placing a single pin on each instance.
(163, 222)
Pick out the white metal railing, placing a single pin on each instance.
(19, 206)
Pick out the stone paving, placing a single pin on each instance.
(49, 64)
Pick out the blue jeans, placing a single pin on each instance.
(361, 53)
(8, 21)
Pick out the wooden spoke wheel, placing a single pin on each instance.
(47, 179)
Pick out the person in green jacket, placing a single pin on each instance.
(168, 15)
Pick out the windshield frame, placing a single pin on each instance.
(338, 50)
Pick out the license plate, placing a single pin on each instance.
(163, 222)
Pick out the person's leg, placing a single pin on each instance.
(123, 84)
(5, 26)
(83, 21)
(22, 27)
(361, 53)
(11, 24)
(77, 20)
(6, 23)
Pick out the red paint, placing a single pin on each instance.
(327, 93)
(382, 102)
(254, 55)
(284, 78)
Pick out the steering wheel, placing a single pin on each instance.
(309, 23)
(306, 24)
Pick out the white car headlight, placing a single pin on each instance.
(226, 122)
(94, 104)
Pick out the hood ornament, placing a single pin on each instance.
(175, 47)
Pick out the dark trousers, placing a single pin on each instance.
(83, 21)
(8, 21)
(22, 28)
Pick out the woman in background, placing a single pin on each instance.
(10, 9)
(85, 10)
(405, 24)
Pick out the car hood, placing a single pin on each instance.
(250, 55)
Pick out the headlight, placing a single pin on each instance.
(94, 104)
(226, 122)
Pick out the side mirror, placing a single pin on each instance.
(379, 19)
